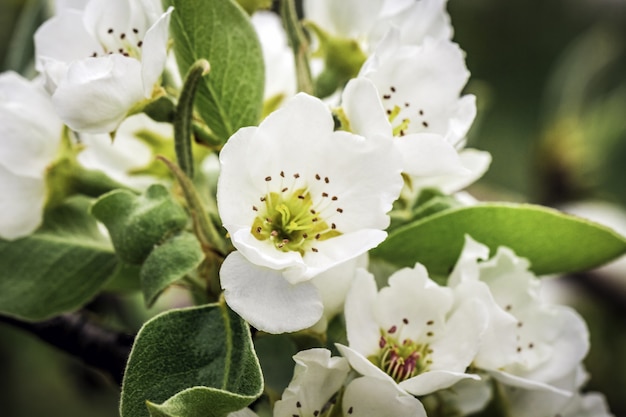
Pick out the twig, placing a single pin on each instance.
(73, 333)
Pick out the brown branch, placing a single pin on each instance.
(73, 333)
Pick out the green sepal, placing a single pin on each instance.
(191, 362)
(137, 223)
(169, 262)
(552, 241)
(342, 57)
(59, 268)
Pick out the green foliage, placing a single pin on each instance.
(168, 263)
(193, 362)
(553, 242)
(220, 32)
(138, 223)
(57, 269)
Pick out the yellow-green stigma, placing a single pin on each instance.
(289, 219)
(401, 360)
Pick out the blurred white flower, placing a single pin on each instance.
(297, 199)
(368, 21)
(101, 61)
(120, 157)
(30, 135)
(411, 333)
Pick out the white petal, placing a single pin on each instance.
(101, 15)
(154, 53)
(265, 299)
(410, 302)
(475, 162)
(317, 377)
(516, 381)
(98, 92)
(371, 397)
(429, 155)
(21, 204)
(361, 326)
(362, 365)
(361, 103)
(346, 18)
(466, 268)
(333, 286)
(30, 130)
(64, 38)
(455, 349)
(432, 381)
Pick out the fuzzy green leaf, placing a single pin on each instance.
(552, 241)
(191, 362)
(168, 263)
(57, 269)
(220, 32)
(138, 223)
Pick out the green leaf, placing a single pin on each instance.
(168, 263)
(553, 242)
(220, 32)
(59, 268)
(193, 362)
(138, 223)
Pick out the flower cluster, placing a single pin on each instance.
(485, 334)
(304, 218)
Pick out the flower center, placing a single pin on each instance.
(292, 220)
(401, 360)
(127, 43)
(401, 114)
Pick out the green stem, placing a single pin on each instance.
(184, 115)
(204, 229)
(299, 44)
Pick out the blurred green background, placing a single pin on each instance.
(550, 77)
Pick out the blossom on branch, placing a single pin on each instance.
(298, 198)
(101, 61)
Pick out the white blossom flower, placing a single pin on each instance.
(368, 21)
(298, 198)
(410, 332)
(101, 61)
(318, 379)
(30, 135)
(412, 94)
(544, 343)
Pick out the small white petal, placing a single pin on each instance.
(154, 53)
(371, 397)
(361, 326)
(429, 155)
(97, 93)
(30, 131)
(244, 412)
(361, 103)
(432, 381)
(265, 299)
(346, 18)
(362, 365)
(21, 204)
(317, 377)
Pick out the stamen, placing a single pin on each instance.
(340, 210)
(268, 178)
